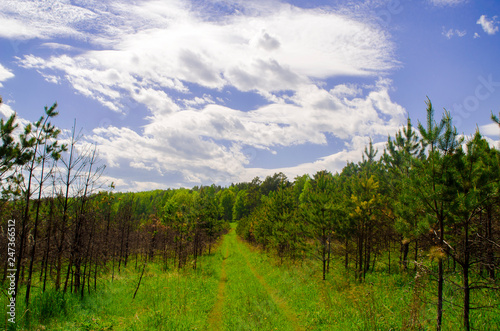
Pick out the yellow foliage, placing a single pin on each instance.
(436, 253)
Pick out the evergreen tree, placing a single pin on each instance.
(398, 158)
(475, 181)
(431, 184)
(319, 213)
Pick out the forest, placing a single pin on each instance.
(424, 211)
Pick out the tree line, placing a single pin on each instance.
(71, 230)
(432, 197)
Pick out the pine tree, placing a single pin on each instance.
(431, 184)
(398, 158)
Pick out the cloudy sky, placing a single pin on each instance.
(190, 92)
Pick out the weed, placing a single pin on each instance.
(50, 304)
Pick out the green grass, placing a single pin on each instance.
(171, 300)
(248, 304)
(384, 301)
(238, 287)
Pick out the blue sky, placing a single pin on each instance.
(183, 93)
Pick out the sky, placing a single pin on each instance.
(194, 92)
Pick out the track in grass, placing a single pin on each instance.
(279, 301)
(215, 316)
(245, 301)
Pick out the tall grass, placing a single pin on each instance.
(259, 294)
(384, 301)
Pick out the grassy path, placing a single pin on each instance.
(282, 304)
(215, 316)
(245, 301)
(230, 290)
(237, 288)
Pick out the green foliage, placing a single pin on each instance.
(495, 118)
(429, 192)
(256, 292)
(51, 304)
(226, 200)
(429, 202)
(241, 205)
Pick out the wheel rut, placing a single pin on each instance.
(215, 318)
(273, 293)
(235, 253)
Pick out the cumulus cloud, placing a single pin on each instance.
(268, 43)
(4, 74)
(177, 60)
(6, 111)
(491, 129)
(59, 46)
(447, 2)
(13, 29)
(334, 162)
(271, 51)
(211, 144)
(490, 26)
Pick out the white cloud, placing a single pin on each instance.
(490, 26)
(119, 183)
(6, 111)
(211, 144)
(279, 49)
(141, 186)
(345, 90)
(22, 19)
(51, 78)
(442, 3)
(58, 46)
(5, 74)
(176, 60)
(491, 129)
(267, 42)
(333, 163)
(198, 101)
(140, 165)
(13, 29)
(450, 33)
(84, 74)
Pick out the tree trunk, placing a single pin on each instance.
(329, 253)
(323, 253)
(47, 251)
(416, 255)
(95, 273)
(360, 253)
(440, 295)
(346, 258)
(389, 251)
(33, 251)
(404, 252)
(43, 268)
(127, 244)
(440, 277)
(490, 259)
(465, 275)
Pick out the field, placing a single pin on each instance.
(238, 287)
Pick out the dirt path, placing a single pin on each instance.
(279, 301)
(215, 317)
(245, 300)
